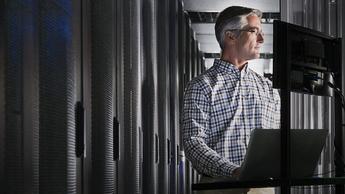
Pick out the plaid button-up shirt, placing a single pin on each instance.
(221, 107)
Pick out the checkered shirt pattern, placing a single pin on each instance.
(221, 107)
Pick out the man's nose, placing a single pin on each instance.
(260, 38)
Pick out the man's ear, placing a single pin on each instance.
(230, 35)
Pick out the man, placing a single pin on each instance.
(226, 102)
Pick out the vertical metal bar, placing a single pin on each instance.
(120, 30)
(193, 65)
(77, 49)
(188, 66)
(163, 96)
(341, 19)
(339, 121)
(182, 72)
(174, 92)
(86, 71)
(2, 94)
(282, 57)
(329, 106)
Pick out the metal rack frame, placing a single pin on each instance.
(283, 83)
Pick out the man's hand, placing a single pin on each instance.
(236, 172)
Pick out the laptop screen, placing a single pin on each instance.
(262, 160)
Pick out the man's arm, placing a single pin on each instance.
(195, 131)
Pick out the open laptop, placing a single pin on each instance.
(262, 160)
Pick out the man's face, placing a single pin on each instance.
(249, 42)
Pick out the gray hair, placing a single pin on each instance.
(234, 17)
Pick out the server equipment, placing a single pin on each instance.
(91, 94)
(306, 66)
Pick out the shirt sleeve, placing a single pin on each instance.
(276, 121)
(195, 128)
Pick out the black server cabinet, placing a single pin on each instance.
(57, 98)
(102, 22)
(39, 94)
(174, 95)
(150, 97)
(131, 171)
(163, 94)
(15, 110)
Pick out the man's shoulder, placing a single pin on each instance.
(259, 78)
(205, 80)
(266, 84)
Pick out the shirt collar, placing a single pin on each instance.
(230, 68)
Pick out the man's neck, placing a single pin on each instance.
(238, 63)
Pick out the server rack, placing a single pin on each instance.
(132, 126)
(102, 64)
(39, 49)
(174, 95)
(57, 98)
(333, 62)
(150, 96)
(15, 39)
(84, 68)
(163, 95)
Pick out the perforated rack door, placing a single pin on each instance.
(132, 66)
(57, 160)
(102, 75)
(150, 98)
